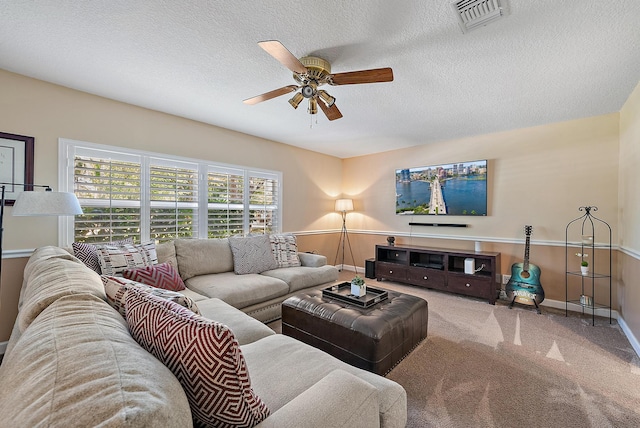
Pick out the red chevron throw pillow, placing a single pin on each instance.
(162, 275)
(205, 357)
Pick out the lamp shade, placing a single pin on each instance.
(33, 203)
(344, 205)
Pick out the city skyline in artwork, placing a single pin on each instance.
(448, 189)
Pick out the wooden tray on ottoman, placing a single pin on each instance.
(342, 292)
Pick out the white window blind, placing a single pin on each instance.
(225, 216)
(128, 193)
(173, 200)
(263, 204)
(109, 192)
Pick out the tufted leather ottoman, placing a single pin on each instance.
(374, 339)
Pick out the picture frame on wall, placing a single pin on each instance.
(16, 164)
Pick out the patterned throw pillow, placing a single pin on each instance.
(88, 253)
(162, 275)
(114, 259)
(285, 250)
(252, 254)
(205, 357)
(117, 288)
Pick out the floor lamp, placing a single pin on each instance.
(342, 206)
(34, 203)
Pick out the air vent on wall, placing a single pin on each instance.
(473, 14)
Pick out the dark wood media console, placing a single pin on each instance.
(440, 269)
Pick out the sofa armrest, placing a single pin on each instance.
(312, 260)
(340, 399)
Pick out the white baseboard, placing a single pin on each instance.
(600, 312)
(351, 268)
(632, 339)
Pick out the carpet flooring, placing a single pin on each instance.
(490, 366)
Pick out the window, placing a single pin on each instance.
(173, 200)
(127, 193)
(109, 192)
(263, 204)
(225, 215)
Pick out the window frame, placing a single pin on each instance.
(68, 149)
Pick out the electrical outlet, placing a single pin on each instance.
(505, 279)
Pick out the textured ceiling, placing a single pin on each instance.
(547, 61)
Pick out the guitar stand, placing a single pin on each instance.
(534, 302)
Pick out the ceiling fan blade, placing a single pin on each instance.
(282, 54)
(271, 94)
(332, 112)
(364, 76)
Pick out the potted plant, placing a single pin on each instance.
(584, 267)
(358, 287)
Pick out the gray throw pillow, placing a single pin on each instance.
(252, 254)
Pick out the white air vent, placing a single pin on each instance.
(477, 13)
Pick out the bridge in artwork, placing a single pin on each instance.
(436, 202)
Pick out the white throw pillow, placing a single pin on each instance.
(114, 259)
(285, 250)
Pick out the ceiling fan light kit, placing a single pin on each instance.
(313, 106)
(328, 99)
(311, 72)
(296, 99)
(308, 91)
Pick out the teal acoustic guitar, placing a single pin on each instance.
(524, 285)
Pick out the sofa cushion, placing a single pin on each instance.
(114, 259)
(117, 288)
(162, 275)
(301, 277)
(196, 297)
(285, 250)
(50, 274)
(312, 260)
(88, 253)
(203, 256)
(339, 399)
(166, 252)
(238, 290)
(245, 328)
(275, 361)
(252, 254)
(114, 383)
(204, 356)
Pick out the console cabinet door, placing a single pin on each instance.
(392, 271)
(430, 278)
(471, 285)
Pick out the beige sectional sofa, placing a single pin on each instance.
(71, 359)
(207, 268)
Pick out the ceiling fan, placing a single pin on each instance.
(310, 73)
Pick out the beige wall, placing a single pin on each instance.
(538, 176)
(629, 214)
(48, 112)
(311, 181)
(550, 259)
